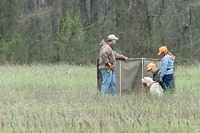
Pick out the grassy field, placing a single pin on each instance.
(63, 98)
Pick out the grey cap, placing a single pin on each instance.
(112, 37)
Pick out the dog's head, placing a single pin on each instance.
(147, 81)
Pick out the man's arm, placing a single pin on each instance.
(120, 56)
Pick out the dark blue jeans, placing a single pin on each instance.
(166, 81)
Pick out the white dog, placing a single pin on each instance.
(154, 87)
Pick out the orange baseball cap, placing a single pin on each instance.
(150, 65)
(162, 49)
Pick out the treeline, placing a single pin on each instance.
(70, 30)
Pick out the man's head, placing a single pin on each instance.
(112, 39)
(152, 68)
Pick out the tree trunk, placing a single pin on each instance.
(84, 14)
(31, 5)
(161, 9)
(93, 12)
(185, 27)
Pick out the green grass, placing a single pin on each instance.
(63, 98)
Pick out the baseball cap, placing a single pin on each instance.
(150, 65)
(112, 37)
(162, 49)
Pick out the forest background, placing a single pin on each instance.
(50, 31)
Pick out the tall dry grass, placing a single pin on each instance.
(63, 98)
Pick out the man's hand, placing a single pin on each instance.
(161, 80)
(126, 58)
(109, 64)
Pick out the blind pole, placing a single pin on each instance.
(142, 70)
(120, 77)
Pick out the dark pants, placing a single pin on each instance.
(166, 81)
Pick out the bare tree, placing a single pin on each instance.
(185, 14)
(84, 13)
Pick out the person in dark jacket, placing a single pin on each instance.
(155, 71)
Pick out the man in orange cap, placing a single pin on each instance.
(166, 68)
(155, 71)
